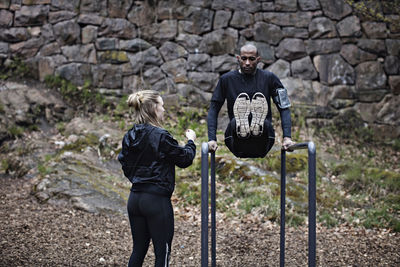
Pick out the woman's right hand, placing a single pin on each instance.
(190, 134)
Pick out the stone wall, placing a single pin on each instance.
(330, 59)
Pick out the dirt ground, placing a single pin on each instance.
(34, 234)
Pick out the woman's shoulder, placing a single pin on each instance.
(161, 132)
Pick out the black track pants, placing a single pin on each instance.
(151, 217)
(253, 146)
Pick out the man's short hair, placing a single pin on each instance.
(248, 46)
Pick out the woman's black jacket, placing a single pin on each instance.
(148, 157)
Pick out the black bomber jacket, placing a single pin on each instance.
(148, 158)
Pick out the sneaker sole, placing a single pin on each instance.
(259, 110)
(241, 111)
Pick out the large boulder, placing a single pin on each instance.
(104, 43)
(246, 5)
(349, 26)
(322, 27)
(280, 68)
(291, 49)
(388, 110)
(223, 63)
(199, 62)
(323, 46)
(141, 13)
(303, 68)
(393, 47)
(219, 42)
(333, 70)
(67, 32)
(47, 65)
(221, 19)
(266, 52)
(118, 8)
(80, 53)
(89, 34)
(370, 76)
(57, 16)
(27, 49)
(392, 65)
(299, 90)
(14, 35)
(286, 5)
(206, 81)
(134, 45)
(189, 41)
(375, 30)
(176, 70)
(198, 21)
(91, 19)
(153, 75)
(31, 15)
(107, 76)
(308, 5)
(354, 55)
(150, 57)
(6, 18)
(4, 47)
(112, 56)
(116, 27)
(335, 10)
(160, 32)
(394, 84)
(77, 73)
(94, 6)
(71, 5)
(374, 46)
(296, 19)
(241, 19)
(293, 32)
(268, 33)
(171, 51)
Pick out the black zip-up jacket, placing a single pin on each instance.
(148, 158)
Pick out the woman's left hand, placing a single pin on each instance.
(190, 134)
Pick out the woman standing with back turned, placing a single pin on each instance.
(148, 157)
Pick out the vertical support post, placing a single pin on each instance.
(213, 210)
(312, 188)
(204, 205)
(283, 204)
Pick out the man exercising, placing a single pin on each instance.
(248, 91)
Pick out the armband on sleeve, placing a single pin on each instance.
(281, 98)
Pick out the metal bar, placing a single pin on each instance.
(204, 205)
(311, 201)
(213, 210)
(312, 188)
(283, 202)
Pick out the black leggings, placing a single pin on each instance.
(151, 217)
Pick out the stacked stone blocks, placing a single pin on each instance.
(330, 59)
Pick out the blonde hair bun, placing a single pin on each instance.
(144, 103)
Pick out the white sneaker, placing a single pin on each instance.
(259, 111)
(241, 111)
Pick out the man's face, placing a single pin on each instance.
(248, 61)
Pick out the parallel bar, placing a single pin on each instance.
(213, 209)
(312, 188)
(283, 201)
(312, 206)
(204, 205)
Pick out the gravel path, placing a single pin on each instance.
(34, 234)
